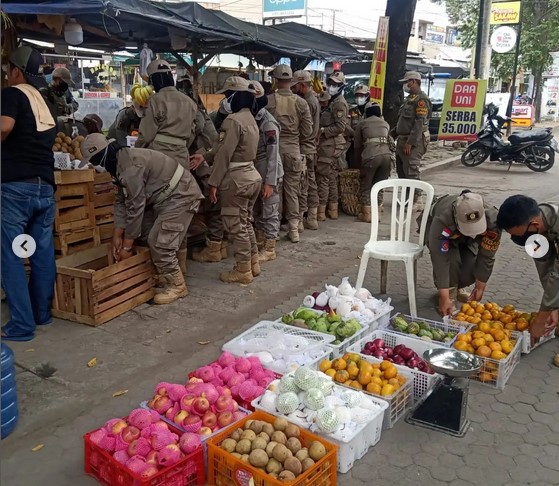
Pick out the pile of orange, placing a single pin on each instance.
(477, 313)
(488, 340)
(352, 370)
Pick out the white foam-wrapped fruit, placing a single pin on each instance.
(305, 378)
(314, 399)
(287, 384)
(287, 403)
(328, 420)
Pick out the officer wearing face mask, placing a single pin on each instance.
(412, 128)
(308, 202)
(332, 143)
(522, 217)
(323, 101)
(58, 92)
(463, 238)
(148, 181)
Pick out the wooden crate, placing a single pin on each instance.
(106, 232)
(92, 289)
(74, 200)
(68, 243)
(104, 198)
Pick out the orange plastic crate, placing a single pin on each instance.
(99, 464)
(226, 470)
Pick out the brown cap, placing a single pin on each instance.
(470, 214)
(235, 83)
(93, 144)
(410, 75)
(338, 77)
(301, 77)
(258, 89)
(370, 104)
(158, 66)
(93, 123)
(324, 96)
(63, 74)
(281, 71)
(361, 89)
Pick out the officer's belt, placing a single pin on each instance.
(160, 137)
(238, 165)
(377, 140)
(172, 185)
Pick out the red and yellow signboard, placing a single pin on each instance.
(378, 66)
(505, 13)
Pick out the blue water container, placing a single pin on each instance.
(10, 412)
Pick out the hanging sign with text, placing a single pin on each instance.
(378, 66)
(505, 13)
(462, 112)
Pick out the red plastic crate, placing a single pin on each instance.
(100, 465)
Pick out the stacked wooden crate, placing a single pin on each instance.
(103, 200)
(74, 223)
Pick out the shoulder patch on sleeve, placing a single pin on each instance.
(490, 242)
(340, 113)
(421, 103)
(221, 135)
(445, 246)
(271, 138)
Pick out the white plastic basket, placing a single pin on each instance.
(527, 342)
(131, 141)
(62, 161)
(352, 448)
(422, 382)
(447, 325)
(495, 373)
(338, 350)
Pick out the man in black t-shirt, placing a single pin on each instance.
(28, 207)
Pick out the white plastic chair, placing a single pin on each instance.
(404, 244)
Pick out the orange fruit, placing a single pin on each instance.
(364, 378)
(511, 326)
(401, 379)
(499, 335)
(365, 366)
(339, 364)
(506, 319)
(478, 334)
(470, 312)
(476, 343)
(480, 308)
(353, 370)
(461, 345)
(508, 308)
(330, 372)
(387, 390)
(476, 320)
(507, 346)
(484, 351)
(485, 377)
(390, 372)
(470, 349)
(460, 318)
(355, 384)
(377, 372)
(465, 307)
(341, 376)
(325, 365)
(488, 338)
(522, 325)
(464, 337)
(495, 346)
(374, 388)
(385, 364)
(484, 326)
(498, 355)
(489, 306)
(377, 380)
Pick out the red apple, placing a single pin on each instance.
(149, 471)
(186, 402)
(130, 433)
(200, 406)
(209, 420)
(224, 403)
(205, 431)
(180, 416)
(151, 458)
(224, 419)
(118, 427)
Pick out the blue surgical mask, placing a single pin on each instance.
(48, 78)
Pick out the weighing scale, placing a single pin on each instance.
(445, 405)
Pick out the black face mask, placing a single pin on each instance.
(522, 239)
(61, 88)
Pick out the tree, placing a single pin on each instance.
(540, 37)
(401, 14)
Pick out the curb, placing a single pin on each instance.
(441, 163)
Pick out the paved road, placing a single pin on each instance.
(515, 434)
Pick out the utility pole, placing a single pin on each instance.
(515, 68)
(482, 60)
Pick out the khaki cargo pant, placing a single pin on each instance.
(267, 214)
(309, 187)
(373, 171)
(462, 262)
(293, 166)
(237, 204)
(213, 214)
(165, 225)
(407, 166)
(327, 171)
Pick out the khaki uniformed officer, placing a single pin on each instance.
(333, 122)
(412, 128)
(523, 217)
(169, 122)
(237, 179)
(294, 117)
(308, 202)
(373, 155)
(269, 166)
(126, 120)
(462, 237)
(148, 180)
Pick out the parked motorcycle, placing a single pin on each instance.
(533, 148)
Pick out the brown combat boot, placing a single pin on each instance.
(321, 213)
(365, 214)
(223, 250)
(161, 281)
(333, 210)
(175, 289)
(210, 254)
(312, 221)
(293, 233)
(181, 257)
(269, 252)
(241, 273)
(260, 238)
(255, 265)
(301, 226)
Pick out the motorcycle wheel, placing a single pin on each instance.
(539, 159)
(475, 155)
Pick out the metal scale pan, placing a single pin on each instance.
(445, 405)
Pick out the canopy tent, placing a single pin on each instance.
(205, 32)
